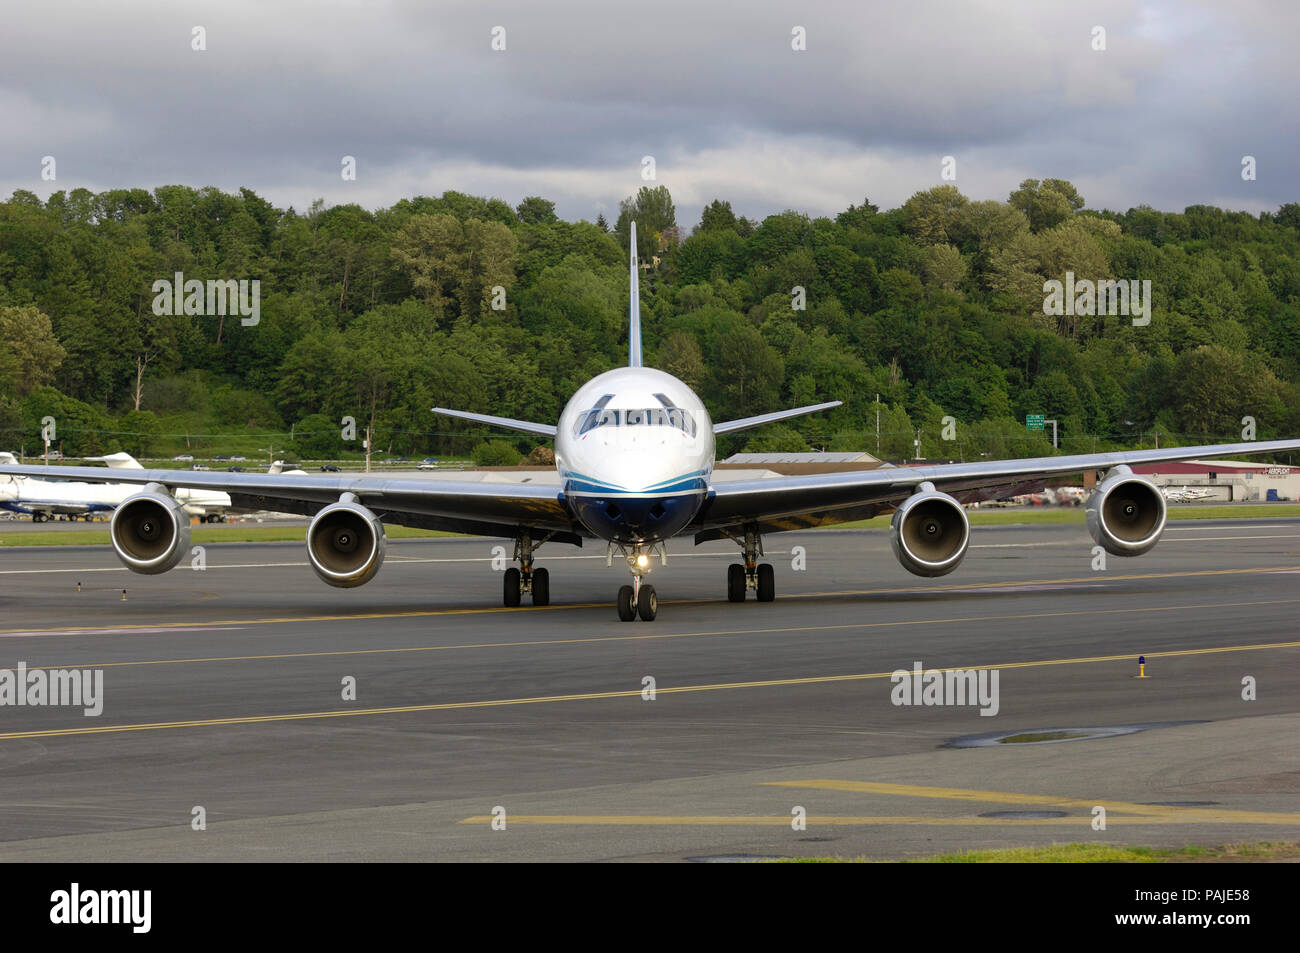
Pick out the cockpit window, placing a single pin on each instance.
(665, 416)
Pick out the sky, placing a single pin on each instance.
(713, 90)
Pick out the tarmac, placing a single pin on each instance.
(718, 731)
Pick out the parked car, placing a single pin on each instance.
(220, 459)
(235, 469)
(329, 468)
(428, 463)
(183, 458)
(200, 466)
(238, 459)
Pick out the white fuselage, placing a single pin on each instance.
(634, 449)
(30, 495)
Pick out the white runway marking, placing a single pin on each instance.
(198, 627)
(1198, 529)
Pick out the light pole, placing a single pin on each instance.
(877, 426)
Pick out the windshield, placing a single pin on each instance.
(663, 416)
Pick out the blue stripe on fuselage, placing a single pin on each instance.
(624, 515)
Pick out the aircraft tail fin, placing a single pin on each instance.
(634, 310)
(118, 461)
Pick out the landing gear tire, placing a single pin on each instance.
(541, 587)
(511, 588)
(766, 582)
(735, 583)
(626, 613)
(648, 605)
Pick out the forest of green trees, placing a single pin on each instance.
(937, 307)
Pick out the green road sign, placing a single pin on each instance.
(1035, 421)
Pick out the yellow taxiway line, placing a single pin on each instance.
(485, 610)
(592, 696)
(589, 640)
(1117, 812)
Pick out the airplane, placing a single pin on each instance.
(45, 496)
(42, 500)
(1186, 494)
(634, 455)
(208, 505)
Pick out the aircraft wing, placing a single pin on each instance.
(490, 509)
(799, 502)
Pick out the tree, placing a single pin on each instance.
(534, 210)
(776, 438)
(748, 372)
(944, 266)
(680, 356)
(652, 210)
(317, 437)
(1215, 387)
(716, 215)
(932, 215)
(1046, 203)
(489, 256)
(138, 432)
(431, 248)
(29, 351)
(495, 453)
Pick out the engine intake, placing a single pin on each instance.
(929, 532)
(150, 531)
(1126, 513)
(345, 543)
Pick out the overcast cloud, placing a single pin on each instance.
(712, 90)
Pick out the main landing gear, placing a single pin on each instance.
(526, 578)
(638, 599)
(741, 577)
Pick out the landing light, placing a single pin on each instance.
(642, 561)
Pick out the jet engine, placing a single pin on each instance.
(150, 531)
(1126, 513)
(345, 543)
(929, 532)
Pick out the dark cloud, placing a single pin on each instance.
(713, 91)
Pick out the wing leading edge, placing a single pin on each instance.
(799, 502)
(462, 506)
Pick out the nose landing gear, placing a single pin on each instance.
(638, 599)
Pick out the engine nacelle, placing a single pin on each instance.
(345, 543)
(929, 532)
(1126, 513)
(150, 531)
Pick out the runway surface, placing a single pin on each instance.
(223, 690)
